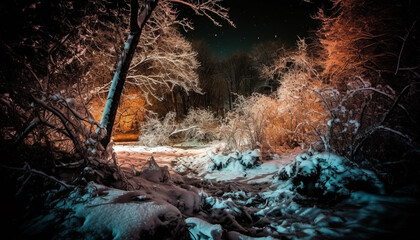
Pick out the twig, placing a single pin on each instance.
(402, 46)
(395, 103)
(25, 133)
(182, 130)
(27, 168)
(377, 128)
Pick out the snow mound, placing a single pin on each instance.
(232, 235)
(98, 212)
(245, 167)
(328, 175)
(236, 160)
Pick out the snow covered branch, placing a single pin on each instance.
(207, 8)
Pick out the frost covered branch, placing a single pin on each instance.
(206, 8)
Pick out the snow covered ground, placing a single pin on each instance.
(296, 196)
(209, 195)
(239, 167)
(198, 161)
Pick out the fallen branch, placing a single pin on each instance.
(182, 130)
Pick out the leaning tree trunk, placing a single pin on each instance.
(137, 21)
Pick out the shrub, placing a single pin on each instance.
(155, 132)
(244, 126)
(299, 111)
(362, 111)
(200, 125)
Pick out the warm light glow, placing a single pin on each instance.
(129, 118)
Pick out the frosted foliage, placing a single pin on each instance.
(244, 127)
(290, 119)
(154, 132)
(235, 161)
(166, 59)
(358, 113)
(200, 125)
(300, 109)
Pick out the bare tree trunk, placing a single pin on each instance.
(174, 102)
(137, 21)
(184, 103)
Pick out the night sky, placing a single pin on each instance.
(256, 21)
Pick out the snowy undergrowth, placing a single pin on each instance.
(326, 176)
(244, 166)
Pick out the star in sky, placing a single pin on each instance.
(283, 21)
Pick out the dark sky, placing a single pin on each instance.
(256, 21)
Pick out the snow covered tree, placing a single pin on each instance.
(166, 59)
(138, 21)
(360, 37)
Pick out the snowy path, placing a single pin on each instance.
(131, 155)
(135, 155)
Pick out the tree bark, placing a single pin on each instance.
(137, 21)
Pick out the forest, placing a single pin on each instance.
(115, 123)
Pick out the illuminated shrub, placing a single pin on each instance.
(299, 112)
(200, 125)
(244, 126)
(357, 37)
(155, 132)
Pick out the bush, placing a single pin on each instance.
(360, 113)
(200, 125)
(155, 132)
(243, 127)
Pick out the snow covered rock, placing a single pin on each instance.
(98, 212)
(328, 175)
(154, 173)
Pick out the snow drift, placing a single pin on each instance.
(327, 176)
(98, 212)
